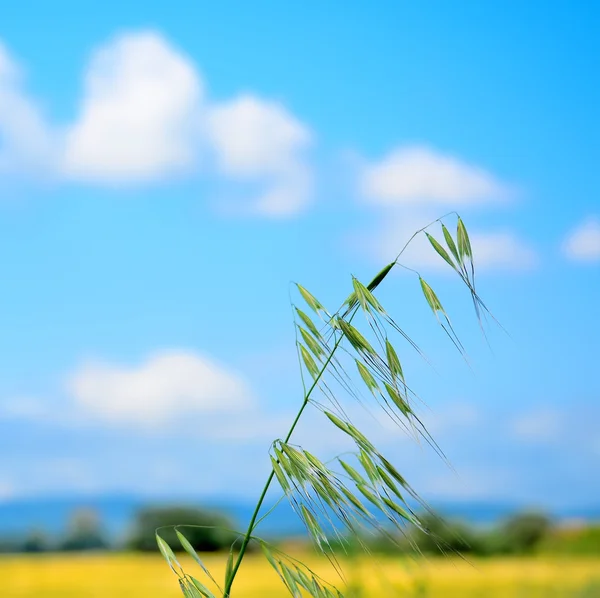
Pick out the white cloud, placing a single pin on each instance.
(23, 408)
(492, 250)
(583, 244)
(542, 425)
(412, 183)
(452, 417)
(502, 250)
(7, 489)
(470, 483)
(254, 139)
(144, 117)
(166, 387)
(26, 141)
(139, 115)
(420, 175)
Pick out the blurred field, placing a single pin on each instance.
(137, 576)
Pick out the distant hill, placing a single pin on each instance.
(117, 512)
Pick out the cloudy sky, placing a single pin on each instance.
(165, 173)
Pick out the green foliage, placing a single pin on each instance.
(524, 532)
(205, 531)
(445, 536)
(521, 534)
(36, 541)
(576, 539)
(84, 533)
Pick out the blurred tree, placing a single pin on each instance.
(524, 532)
(8, 545)
(36, 541)
(578, 537)
(444, 536)
(84, 532)
(210, 537)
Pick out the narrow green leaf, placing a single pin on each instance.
(202, 588)
(311, 300)
(290, 581)
(306, 582)
(167, 553)
(280, 475)
(315, 462)
(190, 591)
(397, 399)
(294, 573)
(309, 323)
(337, 421)
(184, 589)
(311, 343)
(324, 491)
(399, 510)
(351, 300)
(297, 459)
(389, 482)
(464, 244)
(358, 479)
(369, 467)
(358, 292)
(450, 243)
(309, 362)
(431, 297)
(360, 438)
(357, 340)
(192, 552)
(441, 251)
(229, 567)
(393, 472)
(367, 377)
(380, 276)
(393, 360)
(293, 467)
(355, 502)
(269, 556)
(369, 495)
(312, 524)
(367, 297)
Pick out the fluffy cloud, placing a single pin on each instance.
(411, 184)
(420, 175)
(7, 489)
(23, 408)
(583, 244)
(471, 483)
(139, 115)
(144, 117)
(493, 250)
(26, 141)
(540, 426)
(502, 250)
(255, 139)
(166, 387)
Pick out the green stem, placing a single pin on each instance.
(263, 494)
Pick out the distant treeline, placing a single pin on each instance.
(85, 532)
(207, 531)
(522, 533)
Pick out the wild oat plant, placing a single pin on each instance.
(340, 500)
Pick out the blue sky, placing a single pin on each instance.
(165, 172)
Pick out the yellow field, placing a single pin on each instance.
(138, 576)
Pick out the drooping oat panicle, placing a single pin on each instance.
(345, 355)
